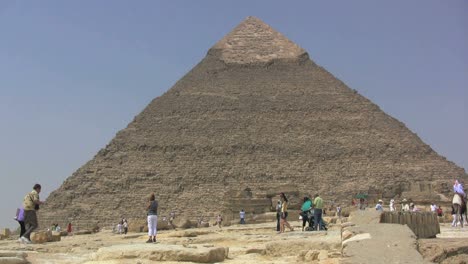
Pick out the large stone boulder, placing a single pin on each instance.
(292, 247)
(41, 237)
(159, 252)
(184, 223)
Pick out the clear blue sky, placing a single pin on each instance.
(73, 73)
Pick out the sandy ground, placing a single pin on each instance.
(259, 243)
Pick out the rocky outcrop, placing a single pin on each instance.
(13, 257)
(423, 224)
(444, 250)
(197, 254)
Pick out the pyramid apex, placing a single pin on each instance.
(253, 41)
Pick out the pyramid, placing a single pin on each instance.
(254, 118)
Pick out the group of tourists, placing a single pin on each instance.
(458, 210)
(122, 226)
(311, 212)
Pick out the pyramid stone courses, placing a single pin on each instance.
(255, 117)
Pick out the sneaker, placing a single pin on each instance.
(154, 240)
(25, 240)
(149, 241)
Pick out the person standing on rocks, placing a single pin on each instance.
(318, 209)
(152, 218)
(284, 213)
(242, 217)
(31, 204)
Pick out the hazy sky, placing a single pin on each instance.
(73, 73)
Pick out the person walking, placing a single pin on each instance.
(284, 213)
(31, 204)
(242, 217)
(152, 217)
(318, 209)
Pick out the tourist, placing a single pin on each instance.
(171, 219)
(392, 205)
(152, 217)
(404, 206)
(20, 218)
(242, 216)
(284, 213)
(125, 226)
(439, 211)
(458, 188)
(31, 204)
(219, 221)
(119, 227)
(378, 206)
(58, 228)
(433, 208)
(278, 215)
(69, 228)
(362, 204)
(338, 212)
(318, 208)
(305, 208)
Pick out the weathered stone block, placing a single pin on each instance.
(6, 232)
(41, 237)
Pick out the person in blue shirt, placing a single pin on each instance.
(305, 208)
(378, 206)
